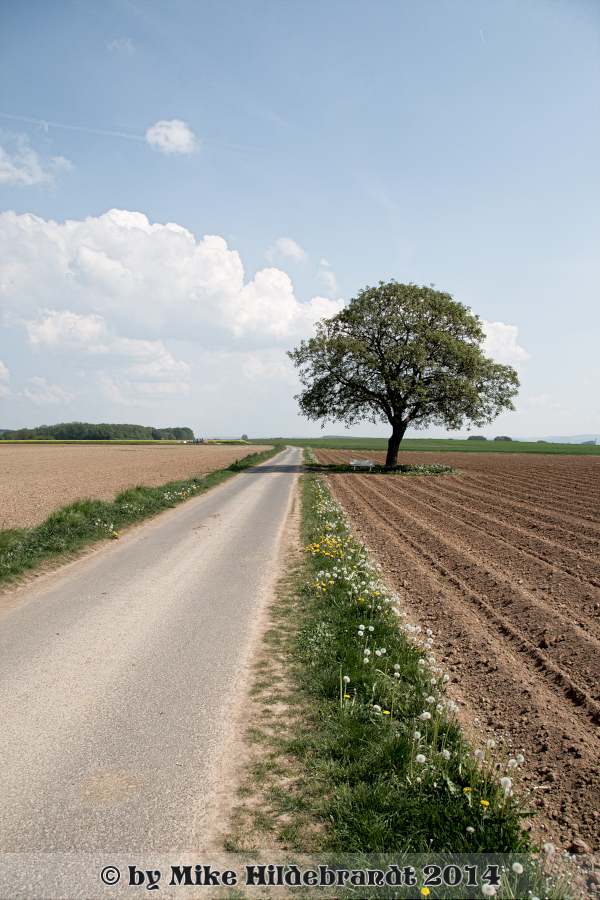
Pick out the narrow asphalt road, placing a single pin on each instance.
(116, 674)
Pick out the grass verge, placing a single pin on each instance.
(388, 766)
(440, 445)
(356, 748)
(427, 469)
(69, 528)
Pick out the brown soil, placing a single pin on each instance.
(503, 563)
(36, 480)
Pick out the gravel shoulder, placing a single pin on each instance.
(35, 480)
(503, 564)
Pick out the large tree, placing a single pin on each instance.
(404, 354)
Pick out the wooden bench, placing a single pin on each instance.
(361, 462)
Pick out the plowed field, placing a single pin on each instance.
(37, 479)
(503, 563)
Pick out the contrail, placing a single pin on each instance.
(45, 125)
(131, 137)
(482, 37)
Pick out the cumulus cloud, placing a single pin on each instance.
(172, 136)
(47, 394)
(286, 247)
(113, 296)
(149, 280)
(130, 358)
(61, 329)
(122, 45)
(501, 344)
(24, 166)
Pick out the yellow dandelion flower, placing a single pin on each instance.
(425, 892)
(466, 789)
(484, 803)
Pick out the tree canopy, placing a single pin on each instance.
(404, 354)
(85, 431)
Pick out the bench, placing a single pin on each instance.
(361, 462)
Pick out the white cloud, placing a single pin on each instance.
(286, 247)
(25, 166)
(63, 329)
(171, 137)
(123, 45)
(543, 400)
(269, 367)
(501, 344)
(328, 279)
(70, 333)
(118, 274)
(47, 394)
(5, 391)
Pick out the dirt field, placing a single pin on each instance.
(503, 563)
(35, 480)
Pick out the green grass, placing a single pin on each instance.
(371, 732)
(438, 446)
(71, 527)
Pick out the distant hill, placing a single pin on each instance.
(561, 439)
(85, 431)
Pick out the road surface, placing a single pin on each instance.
(117, 674)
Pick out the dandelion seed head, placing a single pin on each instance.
(417, 735)
(420, 759)
(506, 783)
(446, 678)
(549, 848)
(470, 829)
(430, 699)
(346, 679)
(518, 868)
(479, 754)
(520, 758)
(397, 667)
(446, 754)
(488, 891)
(491, 744)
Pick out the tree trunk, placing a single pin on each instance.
(398, 430)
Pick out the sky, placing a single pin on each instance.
(187, 186)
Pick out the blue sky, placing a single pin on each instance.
(322, 147)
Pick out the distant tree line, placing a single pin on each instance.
(84, 431)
